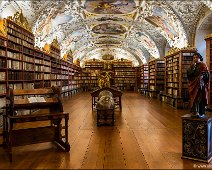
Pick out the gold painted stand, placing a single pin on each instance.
(197, 138)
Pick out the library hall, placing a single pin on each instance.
(106, 84)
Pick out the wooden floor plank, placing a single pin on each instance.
(147, 134)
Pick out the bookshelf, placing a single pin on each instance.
(122, 72)
(3, 66)
(23, 66)
(125, 75)
(20, 56)
(156, 77)
(208, 40)
(176, 83)
(84, 80)
(144, 78)
(93, 68)
(40, 65)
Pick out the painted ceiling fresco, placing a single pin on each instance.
(110, 6)
(109, 28)
(133, 29)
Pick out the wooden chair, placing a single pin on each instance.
(49, 109)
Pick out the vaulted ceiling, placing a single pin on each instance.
(131, 29)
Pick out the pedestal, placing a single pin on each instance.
(197, 138)
(105, 117)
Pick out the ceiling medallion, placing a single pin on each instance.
(19, 19)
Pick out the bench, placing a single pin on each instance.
(32, 105)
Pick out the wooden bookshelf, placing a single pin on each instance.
(144, 74)
(20, 57)
(156, 77)
(93, 67)
(23, 66)
(3, 66)
(176, 83)
(208, 40)
(125, 75)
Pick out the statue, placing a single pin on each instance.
(198, 84)
(104, 80)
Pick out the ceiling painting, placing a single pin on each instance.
(109, 42)
(167, 26)
(148, 43)
(110, 6)
(133, 29)
(102, 19)
(109, 28)
(46, 23)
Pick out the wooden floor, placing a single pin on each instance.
(147, 135)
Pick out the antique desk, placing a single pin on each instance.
(33, 105)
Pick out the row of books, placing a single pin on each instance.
(2, 63)
(3, 42)
(2, 52)
(2, 76)
(18, 29)
(14, 46)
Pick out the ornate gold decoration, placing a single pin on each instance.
(131, 15)
(88, 14)
(70, 53)
(19, 19)
(107, 65)
(173, 50)
(55, 43)
(3, 27)
(65, 57)
(104, 80)
(208, 36)
(77, 62)
(46, 48)
(107, 57)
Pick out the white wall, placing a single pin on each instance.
(200, 42)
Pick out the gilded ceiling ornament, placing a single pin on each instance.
(208, 36)
(173, 50)
(19, 19)
(46, 48)
(55, 43)
(3, 28)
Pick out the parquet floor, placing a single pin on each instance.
(147, 135)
